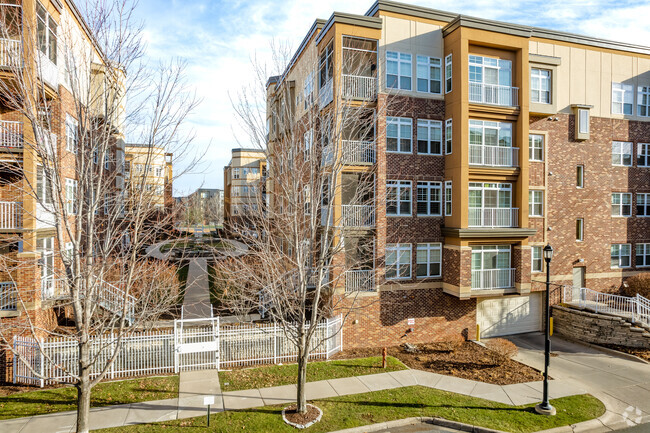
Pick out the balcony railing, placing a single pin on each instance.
(360, 280)
(494, 156)
(47, 70)
(10, 53)
(8, 296)
(10, 215)
(359, 87)
(326, 94)
(493, 217)
(357, 215)
(11, 134)
(358, 152)
(494, 94)
(493, 278)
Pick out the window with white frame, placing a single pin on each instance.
(536, 147)
(448, 195)
(622, 153)
(642, 255)
(428, 260)
(45, 246)
(489, 71)
(643, 205)
(326, 66)
(448, 141)
(159, 171)
(540, 86)
(399, 133)
(429, 74)
(620, 255)
(71, 195)
(398, 70)
(580, 176)
(308, 141)
(235, 173)
(580, 229)
(398, 197)
(46, 32)
(643, 101)
(643, 154)
(621, 204)
(622, 98)
(491, 266)
(484, 195)
(107, 202)
(491, 135)
(537, 264)
(43, 191)
(429, 137)
(429, 199)
(71, 137)
(107, 162)
(535, 203)
(448, 70)
(398, 261)
(583, 120)
(308, 90)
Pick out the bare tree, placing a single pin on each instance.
(89, 84)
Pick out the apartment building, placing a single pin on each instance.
(149, 168)
(203, 206)
(244, 187)
(488, 140)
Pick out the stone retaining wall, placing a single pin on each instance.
(598, 328)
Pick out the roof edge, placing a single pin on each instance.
(352, 19)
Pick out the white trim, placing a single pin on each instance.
(428, 63)
(428, 248)
(399, 122)
(400, 59)
(398, 249)
(399, 185)
(620, 256)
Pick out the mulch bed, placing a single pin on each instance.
(467, 360)
(301, 418)
(641, 353)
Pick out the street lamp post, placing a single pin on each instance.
(545, 407)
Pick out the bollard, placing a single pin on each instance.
(550, 323)
(383, 358)
(478, 332)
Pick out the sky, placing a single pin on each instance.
(218, 40)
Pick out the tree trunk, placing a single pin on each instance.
(83, 390)
(301, 400)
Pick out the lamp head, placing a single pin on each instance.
(548, 253)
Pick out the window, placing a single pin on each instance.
(306, 196)
(583, 121)
(429, 137)
(429, 75)
(622, 153)
(107, 199)
(448, 74)
(448, 206)
(46, 33)
(326, 66)
(540, 86)
(398, 261)
(643, 154)
(43, 191)
(536, 147)
(308, 90)
(622, 98)
(536, 203)
(159, 171)
(642, 255)
(537, 261)
(235, 173)
(398, 197)
(621, 204)
(429, 198)
(580, 176)
(490, 143)
(620, 255)
(491, 267)
(71, 140)
(643, 205)
(399, 131)
(71, 196)
(580, 230)
(308, 141)
(448, 141)
(428, 259)
(107, 162)
(46, 247)
(398, 70)
(490, 80)
(643, 101)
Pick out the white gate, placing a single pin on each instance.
(196, 344)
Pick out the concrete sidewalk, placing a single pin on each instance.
(196, 303)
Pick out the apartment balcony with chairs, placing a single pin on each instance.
(360, 280)
(10, 215)
(486, 279)
(359, 87)
(11, 134)
(493, 94)
(358, 152)
(10, 53)
(357, 215)
(493, 156)
(493, 217)
(8, 296)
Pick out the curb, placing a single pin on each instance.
(607, 350)
(419, 420)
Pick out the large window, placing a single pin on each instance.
(535, 203)
(620, 255)
(490, 143)
(536, 147)
(540, 86)
(399, 132)
(326, 66)
(429, 74)
(622, 153)
(43, 190)
(448, 141)
(46, 32)
(621, 204)
(537, 260)
(490, 205)
(398, 261)
(308, 142)
(490, 80)
(491, 267)
(71, 195)
(429, 198)
(398, 197)
(643, 205)
(398, 70)
(429, 259)
(642, 255)
(643, 154)
(71, 140)
(643, 101)
(45, 246)
(448, 70)
(622, 98)
(429, 137)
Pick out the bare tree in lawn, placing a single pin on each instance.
(91, 267)
(311, 230)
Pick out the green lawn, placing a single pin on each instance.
(190, 244)
(277, 375)
(104, 394)
(374, 407)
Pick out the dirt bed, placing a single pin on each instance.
(641, 353)
(467, 360)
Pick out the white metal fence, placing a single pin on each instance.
(493, 278)
(10, 215)
(359, 87)
(358, 215)
(494, 156)
(358, 152)
(360, 280)
(165, 351)
(494, 94)
(493, 217)
(636, 308)
(10, 52)
(11, 133)
(8, 296)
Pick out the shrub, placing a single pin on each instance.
(452, 342)
(502, 347)
(639, 283)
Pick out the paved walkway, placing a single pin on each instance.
(196, 303)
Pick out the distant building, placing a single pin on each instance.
(203, 206)
(148, 166)
(243, 183)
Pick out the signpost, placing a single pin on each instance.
(207, 401)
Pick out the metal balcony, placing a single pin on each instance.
(11, 134)
(358, 152)
(360, 280)
(10, 53)
(493, 94)
(10, 215)
(493, 217)
(359, 87)
(357, 215)
(8, 296)
(485, 279)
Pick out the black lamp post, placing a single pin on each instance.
(545, 407)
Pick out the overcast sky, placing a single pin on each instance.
(219, 38)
